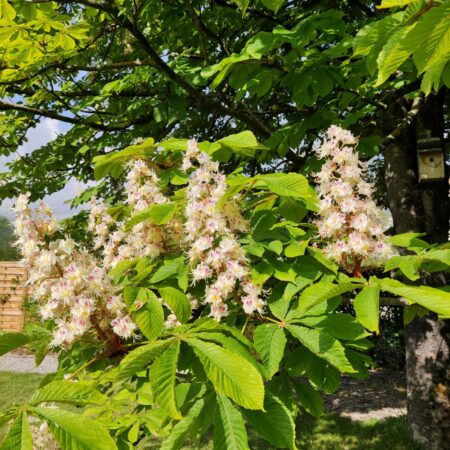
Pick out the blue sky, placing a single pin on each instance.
(45, 131)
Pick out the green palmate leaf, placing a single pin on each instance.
(319, 292)
(6, 416)
(370, 39)
(323, 375)
(427, 39)
(430, 38)
(229, 427)
(19, 435)
(367, 306)
(409, 265)
(234, 345)
(261, 272)
(150, 318)
(177, 301)
(295, 249)
(11, 341)
(75, 432)
(169, 268)
(287, 184)
(275, 424)
(319, 256)
(341, 326)
(433, 299)
(65, 391)
(326, 307)
(177, 436)
(230, 373)
(320, 373)
(183, 277)
(270, 341)
(432, 77)
(281, 270)
(262, 225)
(163, 377)
(140, 358)
(277, 302)
(274, 5)
(243, 4)
(275, 246)
(393, 55)
(442, 256)
(160, 214)
(411, 312)
(174, 144)
(408, 240)
(323, 345)
(7, 12)
(244, 143)
(309, 398)
(111, 164)
(292, 209)
(394, 3)
(130, 294)
(236, 334)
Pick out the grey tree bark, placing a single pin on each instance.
(423, 207)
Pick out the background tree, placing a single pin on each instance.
(7, 251)
(126, 70)
(117, 72)
(415, 40)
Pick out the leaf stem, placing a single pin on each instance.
(273, 320)
(81, 368)
(245, 324)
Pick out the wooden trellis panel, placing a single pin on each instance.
(12, 293)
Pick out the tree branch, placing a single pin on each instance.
(109, 66)
(203, 28)
(197, 23)
(395, 134)
(5, 106)
(197, 95)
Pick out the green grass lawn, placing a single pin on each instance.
(17, 387)
(330, 432)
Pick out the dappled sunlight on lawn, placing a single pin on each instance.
(332, 432)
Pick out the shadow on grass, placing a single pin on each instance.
(333, 432)
(329, 432)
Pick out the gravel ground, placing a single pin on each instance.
(380, 396)
(13, 362)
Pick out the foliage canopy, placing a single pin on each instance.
(255, 83)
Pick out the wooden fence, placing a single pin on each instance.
(12, 293)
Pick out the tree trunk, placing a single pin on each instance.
(428, 379)
(423, 207)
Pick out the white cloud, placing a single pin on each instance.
(45, 131)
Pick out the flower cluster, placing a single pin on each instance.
(41, 436)
(72, 285)
(350, 222)
(146, 238)
(214, 253)
(69, 283)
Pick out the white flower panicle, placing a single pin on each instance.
(146, 239)
(72, 285)
(215, 255)
(350, 222)
(41, 435)
(69, 283)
